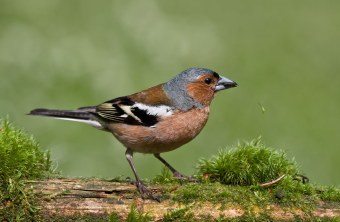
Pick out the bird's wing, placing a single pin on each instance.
(125, 110)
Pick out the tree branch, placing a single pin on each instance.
(271, 183)
(69, 197)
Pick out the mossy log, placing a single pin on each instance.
(69, 197)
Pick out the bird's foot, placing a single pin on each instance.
(145, 192)
(182, 177)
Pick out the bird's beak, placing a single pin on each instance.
(224, 83)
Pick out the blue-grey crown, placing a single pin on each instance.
(176, 88)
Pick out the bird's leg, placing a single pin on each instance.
(143, 190)
(177, 174)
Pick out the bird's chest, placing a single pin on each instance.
(182, 126)
(168, 134)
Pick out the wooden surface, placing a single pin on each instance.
(78, 196)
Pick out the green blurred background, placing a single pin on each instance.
(284, 55)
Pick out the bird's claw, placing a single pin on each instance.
(182, 177)
(145, 192)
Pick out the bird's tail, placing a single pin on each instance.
(79, 115)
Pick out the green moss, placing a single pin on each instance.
(180, 215)
(120, 178)
(114, 217)
(21, 156)
(21, 159)
(136, 216)
(254, 200)
(165, 177)
(330, 193)
(249, 163)
(233, 177)
(218, 194)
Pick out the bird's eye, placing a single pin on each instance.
(208, 80)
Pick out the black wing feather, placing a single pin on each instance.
(120, 110)
(147, 119)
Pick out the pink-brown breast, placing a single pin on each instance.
(168, 134)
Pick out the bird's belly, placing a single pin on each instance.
(168, 134)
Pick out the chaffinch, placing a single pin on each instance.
(156, 120)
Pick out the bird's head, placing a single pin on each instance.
(196, 87)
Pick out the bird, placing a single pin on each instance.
(156, 120)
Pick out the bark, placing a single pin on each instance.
(67, 197)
